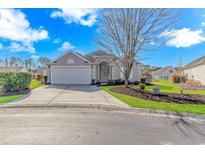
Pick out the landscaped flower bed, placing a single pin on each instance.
(162, 97)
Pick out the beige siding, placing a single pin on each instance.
(49, 76)
(135, 74)
(94, 72)
(196, 73)
(77, 61)
(115, 72)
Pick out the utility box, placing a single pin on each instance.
(155, 90)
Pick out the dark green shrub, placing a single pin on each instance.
(12, 81)
(143, 80)
(142, 86)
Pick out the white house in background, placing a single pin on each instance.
(99, 66)
(196, 70)
(13, 69)
(164, 73)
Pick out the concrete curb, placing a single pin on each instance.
(112, 108)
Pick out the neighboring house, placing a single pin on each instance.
(196, 70)
(99, 66)
(164, 73)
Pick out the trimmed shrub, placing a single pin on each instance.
(142, 86)
(15, 81)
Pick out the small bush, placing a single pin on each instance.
(175, 78)
(143, 80)
(135, 82)
(118, 82)
(193, 83)
(15, 81)
(33, 76)
(39, 77)
(142, 86)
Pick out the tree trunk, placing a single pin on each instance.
(126, 82)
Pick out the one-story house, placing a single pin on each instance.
(98, 66)
(196, 70)
(164, 73)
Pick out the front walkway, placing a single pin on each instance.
(68, 95)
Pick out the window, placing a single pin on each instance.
(70, 61)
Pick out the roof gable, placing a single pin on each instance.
(69, 54)
(93, 56)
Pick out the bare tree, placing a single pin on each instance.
(1, 63)
(126, 32)
(30, 63)
(43, 61)
(13, 61)
(6, 62)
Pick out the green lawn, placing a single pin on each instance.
(6, 99)
(141, 103)
(166, 86)
(35, 84)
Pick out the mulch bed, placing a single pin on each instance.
(162, 97)
(10, 93)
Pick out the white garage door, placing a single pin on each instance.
(71, 75)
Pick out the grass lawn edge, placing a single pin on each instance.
(12, 98)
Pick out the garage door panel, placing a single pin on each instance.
(71, 75)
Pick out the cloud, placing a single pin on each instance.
(203, 23)
(21, 47)
(34, 56)
(56, 41)
(66, 46)
(85, 17)
(184, 37)
(15, 27)
(1, 46)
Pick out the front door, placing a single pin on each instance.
(104, 67)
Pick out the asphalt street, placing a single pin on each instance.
(95, 126)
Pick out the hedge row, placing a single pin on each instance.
(15, 81)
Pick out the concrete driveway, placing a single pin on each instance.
(69, 95)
